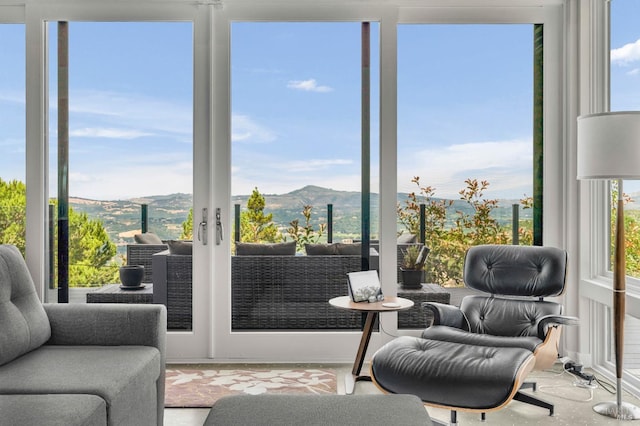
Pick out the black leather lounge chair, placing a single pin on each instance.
(476, 358)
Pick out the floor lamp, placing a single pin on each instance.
(609, 148)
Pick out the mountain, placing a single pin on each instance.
(166, 213)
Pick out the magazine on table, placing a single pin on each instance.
(364, 286)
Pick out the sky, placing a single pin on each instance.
(464, 105)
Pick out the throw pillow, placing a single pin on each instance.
(147, 238)
(320, 249)
(349, 249)
(181, 247)
(272, 249)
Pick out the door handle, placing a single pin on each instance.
(219, 230)
(202, 227)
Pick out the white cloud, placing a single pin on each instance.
(245, 129)
(127, 178)
(104, 109)
(13, 96)
(310, 85)
(110, 133)
(506, 165)
(626, 54)
(314, 165)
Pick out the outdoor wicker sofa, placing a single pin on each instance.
(172, 286)
(268, 291)
(291, 292)
(140, 254)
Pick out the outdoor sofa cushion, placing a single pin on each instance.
(273, 249)
(335, 249)
(25, 325)
(147, 238)
(184, 248)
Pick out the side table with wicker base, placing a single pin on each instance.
(416, 317)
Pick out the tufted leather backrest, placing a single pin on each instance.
(506, 317)
(516, 270)
(24, 325)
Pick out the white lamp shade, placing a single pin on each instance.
(609, 145)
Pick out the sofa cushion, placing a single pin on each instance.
(273, 249)
(320, 249)
(124, 376)
(349, 249)
(180, 247)
(54, 410)
(25, 325)
(147, 238)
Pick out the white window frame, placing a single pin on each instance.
(596, 277)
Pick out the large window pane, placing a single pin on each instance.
(297, 176)
(465, 140)
(625, 96)
(12, 135)
(130, 149)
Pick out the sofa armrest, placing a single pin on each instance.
(107, 324)
(448, 315)
(112, 324)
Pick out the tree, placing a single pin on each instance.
(305, 234)
(187, 227)
(255, 225)
(91, 252)
(448, 243)
(13, 213)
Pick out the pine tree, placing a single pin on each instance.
(255, 226)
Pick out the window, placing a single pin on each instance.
(466, 140)
(624, 96)
(298, 170)
(130, 144)
(12, 135)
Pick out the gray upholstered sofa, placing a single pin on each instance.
(80, 364)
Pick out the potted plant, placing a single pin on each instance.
(412, 268)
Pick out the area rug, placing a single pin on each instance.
(196, 388)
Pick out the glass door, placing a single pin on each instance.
(121, 145)
(300, 217)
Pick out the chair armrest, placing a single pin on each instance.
(553, 321)
(448, 315)
(107, 324)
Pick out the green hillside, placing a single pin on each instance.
(122, 218)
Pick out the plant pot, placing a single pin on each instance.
(131, 275)
(411, 278)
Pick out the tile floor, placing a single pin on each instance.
(573, 404)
